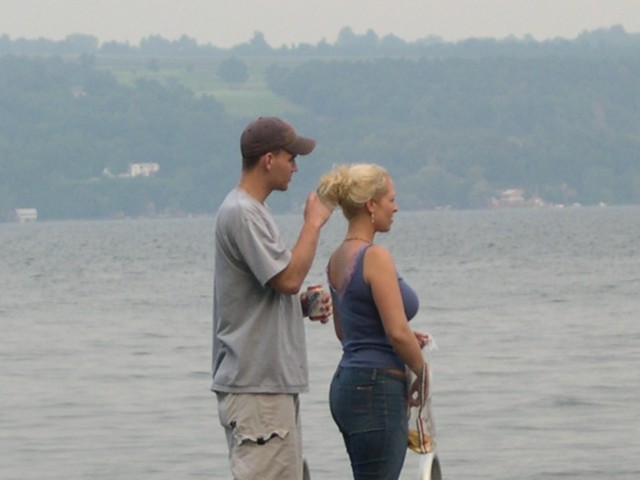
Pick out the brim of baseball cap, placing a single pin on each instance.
(300, 146)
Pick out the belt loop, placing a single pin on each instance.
(374, 374)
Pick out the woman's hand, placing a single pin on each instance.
(423, 338)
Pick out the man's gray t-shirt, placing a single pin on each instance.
(259, 343)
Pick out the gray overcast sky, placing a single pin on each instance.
(225, 23)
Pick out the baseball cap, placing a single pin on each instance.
(267, 134)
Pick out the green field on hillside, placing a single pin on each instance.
(200, 76)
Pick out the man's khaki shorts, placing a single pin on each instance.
(264, 435)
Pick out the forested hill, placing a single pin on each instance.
(456, 128)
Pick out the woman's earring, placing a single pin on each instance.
(373, 218)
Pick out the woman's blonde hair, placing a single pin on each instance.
(351, 186)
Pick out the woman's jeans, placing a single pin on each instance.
(369, 405)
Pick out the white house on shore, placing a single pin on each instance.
(24, 215)
(515, 197)
(143, 169)
(135, 170)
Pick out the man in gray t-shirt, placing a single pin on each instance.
(259, 363)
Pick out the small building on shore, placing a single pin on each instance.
(143, 169)
(25, 215)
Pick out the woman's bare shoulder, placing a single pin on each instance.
(378, 260)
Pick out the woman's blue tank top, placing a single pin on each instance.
(364, 341)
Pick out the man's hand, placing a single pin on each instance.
(316, 212)
(321, 312)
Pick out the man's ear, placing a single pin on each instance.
(267, 160)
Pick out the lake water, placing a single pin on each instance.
(106, 335)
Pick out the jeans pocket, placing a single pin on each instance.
(358, 412)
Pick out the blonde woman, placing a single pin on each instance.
(372, 306)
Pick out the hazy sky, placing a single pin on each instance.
(225, 23)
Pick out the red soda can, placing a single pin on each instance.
(314, 302)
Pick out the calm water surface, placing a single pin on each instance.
(106, 335)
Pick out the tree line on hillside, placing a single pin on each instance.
(566, 130)
(614, 41)
(453, 132)
(68, 133)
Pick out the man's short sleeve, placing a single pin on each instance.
(261, 245)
